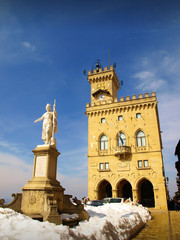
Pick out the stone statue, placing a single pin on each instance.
(49, 124)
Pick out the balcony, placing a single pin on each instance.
(122, 152)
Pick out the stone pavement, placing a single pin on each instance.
(175, 223)
(163, 225)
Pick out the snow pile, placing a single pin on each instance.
(111, 221)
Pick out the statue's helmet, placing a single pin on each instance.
(48, 106)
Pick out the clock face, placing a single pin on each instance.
(101, 97)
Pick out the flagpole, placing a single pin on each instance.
(53, 118)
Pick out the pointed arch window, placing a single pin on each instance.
(121, 139)
(141, 139)
(103, 142)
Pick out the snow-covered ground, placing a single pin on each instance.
(111, 221)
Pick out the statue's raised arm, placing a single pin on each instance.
(39, 119)
(49, 125)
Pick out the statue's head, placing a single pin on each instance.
(48, 107)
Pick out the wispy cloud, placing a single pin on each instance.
(9, 146)
(29, 46)
(160, 71)
(14, 48)
(148, 81)
(170, 116)
(74, 162)
(14, 51)
(75, 186)
(13, 161)
(75, 152)
(14, 174)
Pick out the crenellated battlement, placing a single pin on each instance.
(140, 96)
(103, 75)
(100, 70)
(133, 100)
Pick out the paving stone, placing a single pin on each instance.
(159, 227)
(175, 224)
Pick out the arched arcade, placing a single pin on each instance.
(124, 189)
(146, 193)
(104, 189)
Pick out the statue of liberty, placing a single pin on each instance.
(49, 124)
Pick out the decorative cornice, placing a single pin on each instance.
(110, 107)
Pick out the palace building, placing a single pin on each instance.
(124, 143)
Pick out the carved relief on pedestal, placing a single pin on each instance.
(32, 200)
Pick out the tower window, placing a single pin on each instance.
(138, 115)
(140, 164)
(143, 164)
(121, 139)
(106, 166)
(141, 139)
(101, 166)
(103, 142)
(103, 120)
(146, 164)
(120, 118)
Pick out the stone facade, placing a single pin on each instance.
(124, 143)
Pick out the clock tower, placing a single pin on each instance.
(104, 84)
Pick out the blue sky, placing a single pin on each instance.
(44, 48)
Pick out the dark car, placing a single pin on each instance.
(95, 203)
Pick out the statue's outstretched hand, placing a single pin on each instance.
(39, 119)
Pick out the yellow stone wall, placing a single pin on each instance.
(123, 163)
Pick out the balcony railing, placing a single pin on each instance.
(123, 152)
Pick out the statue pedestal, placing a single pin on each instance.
(42, 196)
(44, 169)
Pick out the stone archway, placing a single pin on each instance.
(104, 190)
(146, 193)
(124, 189)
